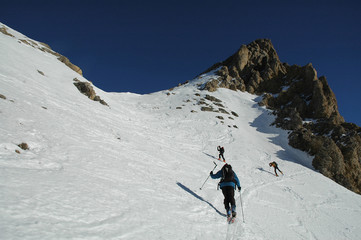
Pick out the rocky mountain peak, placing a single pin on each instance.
(249, 67)
(303, 103)
(259, 56)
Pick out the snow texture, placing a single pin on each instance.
(133, 170)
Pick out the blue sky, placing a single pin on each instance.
(147, 46)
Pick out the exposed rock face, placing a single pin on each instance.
(336, 149)
(87, 89)
(302, 103)
(66, 61)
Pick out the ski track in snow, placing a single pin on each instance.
(133, 170)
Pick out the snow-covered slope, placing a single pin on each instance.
(133, 170)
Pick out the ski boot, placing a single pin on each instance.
(229, 215)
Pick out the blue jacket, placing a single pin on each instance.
(219, 174)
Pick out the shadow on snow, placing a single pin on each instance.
(264, 170)
(263, 124)
(199, 197)
(209, 155)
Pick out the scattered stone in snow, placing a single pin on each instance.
(207, 109)
(23, 146)
(223, 111)
(213, 99)
(234, 114)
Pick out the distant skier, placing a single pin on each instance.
(221, 151)
(275, 165)
(228, 183)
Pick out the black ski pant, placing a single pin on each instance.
(229, 201)
(221, 155)
(276, 168)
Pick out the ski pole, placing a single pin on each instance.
(209, 175)
(240, 197)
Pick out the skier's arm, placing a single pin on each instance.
(237, 181)
(217, 175)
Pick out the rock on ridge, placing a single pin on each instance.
(85, 88)
(302, 102)
(41, 46)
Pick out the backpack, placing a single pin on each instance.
(227, 174)
(273, 164)
(220, 149)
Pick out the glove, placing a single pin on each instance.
(211, 173)
(239, 189)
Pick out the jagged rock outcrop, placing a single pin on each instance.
(302, 102)
(87, 89)
(336, 148)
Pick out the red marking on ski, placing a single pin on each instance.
(231, 220)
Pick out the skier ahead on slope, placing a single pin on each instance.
(275, 165)
(228, 183)
(221, 151)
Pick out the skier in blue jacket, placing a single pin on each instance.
(228, 183)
